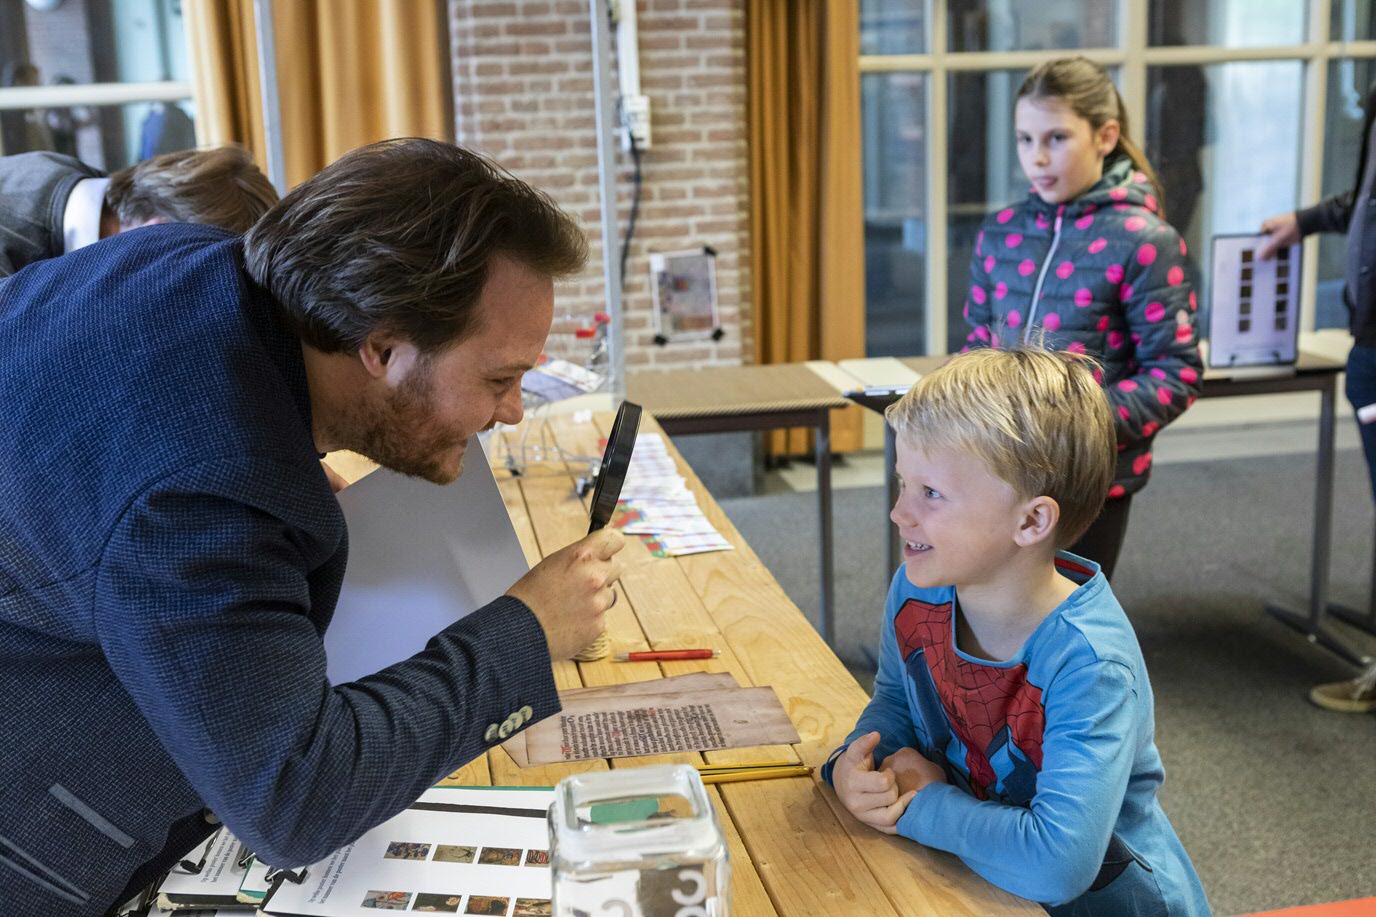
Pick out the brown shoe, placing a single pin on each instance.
(1358, 695)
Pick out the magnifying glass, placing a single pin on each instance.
(616, 460)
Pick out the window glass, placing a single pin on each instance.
(894, 118)
(108, 137)
(1348, 81)
(74, 43)
(1352, 20)
(1225, 140)
(983, 174)
(1002, 25)
(893, 26)
(1228, 23)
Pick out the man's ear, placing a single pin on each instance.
(378, 353)
(1038, 520)
(386, 357)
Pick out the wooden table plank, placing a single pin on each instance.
(515, 501)
(748, 892)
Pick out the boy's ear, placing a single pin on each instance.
(1038, 521)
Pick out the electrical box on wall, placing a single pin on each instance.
(635, 121)
(635, 108)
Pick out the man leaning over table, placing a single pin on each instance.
(170, 548)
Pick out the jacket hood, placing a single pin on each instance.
(1121, 184)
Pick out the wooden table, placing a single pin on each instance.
(725, 399)
(794, 849)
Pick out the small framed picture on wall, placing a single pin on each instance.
(685, 295)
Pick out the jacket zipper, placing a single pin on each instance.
(1041, 276)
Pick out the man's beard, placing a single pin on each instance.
(398, 431)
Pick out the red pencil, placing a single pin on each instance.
(666, 655)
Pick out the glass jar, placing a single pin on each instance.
(637, 842)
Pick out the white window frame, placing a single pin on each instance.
(1132, 57)
(93, 94)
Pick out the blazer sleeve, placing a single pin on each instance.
(1332, 214)
(202, 605)
(1052, 850)
(1160, 310)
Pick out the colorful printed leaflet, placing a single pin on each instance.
(657, 505)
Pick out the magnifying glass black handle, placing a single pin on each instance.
(616, 461)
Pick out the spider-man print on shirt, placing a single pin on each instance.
(994, 711)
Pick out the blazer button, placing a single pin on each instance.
(506, 729)
(526, 713)
(491, 734)
(210, 817)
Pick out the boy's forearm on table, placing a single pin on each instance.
(1007, 845)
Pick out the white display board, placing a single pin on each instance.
(421, 556)
(1254, 304)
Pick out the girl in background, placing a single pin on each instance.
(1087, 263)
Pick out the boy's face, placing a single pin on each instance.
(957, 520)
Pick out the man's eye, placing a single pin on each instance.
(928, 492)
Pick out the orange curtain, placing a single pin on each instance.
(349, 72)
(806, 205)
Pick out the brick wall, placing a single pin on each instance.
(523, 91)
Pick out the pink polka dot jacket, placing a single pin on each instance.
(1102, 275)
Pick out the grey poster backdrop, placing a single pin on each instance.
(420, 558)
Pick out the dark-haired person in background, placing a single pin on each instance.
(170, 549)
(51, 204)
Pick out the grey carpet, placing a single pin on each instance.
(1274, 799)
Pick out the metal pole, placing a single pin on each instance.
(606, 184)
(267, 83)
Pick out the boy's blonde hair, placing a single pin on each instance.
(1037, 418)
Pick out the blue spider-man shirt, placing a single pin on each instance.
(1050, 757)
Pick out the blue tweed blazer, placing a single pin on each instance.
(170, 554)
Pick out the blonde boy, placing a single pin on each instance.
(1012, 721)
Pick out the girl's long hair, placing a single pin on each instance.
(1090, 93)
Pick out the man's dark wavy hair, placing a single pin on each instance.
(399, 236)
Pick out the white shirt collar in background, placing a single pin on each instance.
(81, 219)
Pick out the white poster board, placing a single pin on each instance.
(420, 557)
(1254, 304)
(456, 850)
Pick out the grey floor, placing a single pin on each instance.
(1274, 799)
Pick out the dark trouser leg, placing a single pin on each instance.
(1361, 392)
(1102, 541)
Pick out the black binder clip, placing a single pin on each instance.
(296, 877)
(244, 857)
(194, 867)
